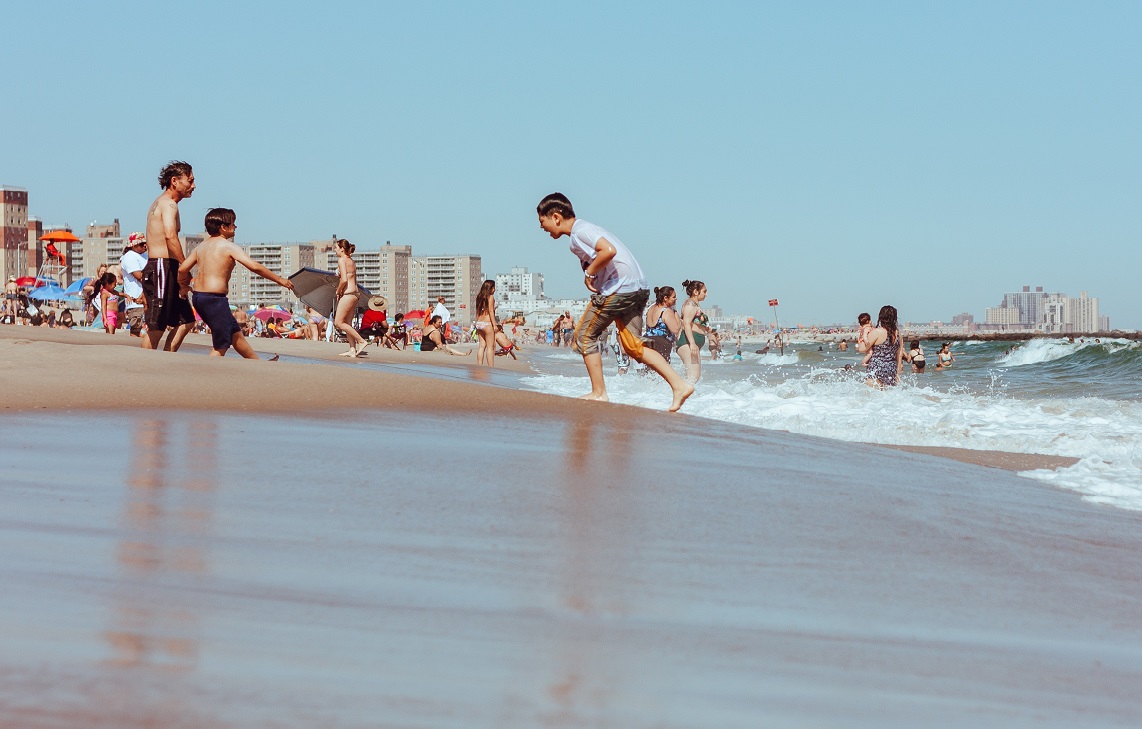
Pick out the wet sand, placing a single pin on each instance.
(441, 554)
(92, 370)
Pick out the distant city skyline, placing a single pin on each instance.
(837, 156)
(518, 274)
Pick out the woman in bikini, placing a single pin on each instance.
(348, 295)
(486, 323)
(886, 350)
(916, 356)
(944, 357)
(692, 334)
(663, 323)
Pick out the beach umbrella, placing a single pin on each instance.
(414, 314)
(48, 292)
(35, 281)
(267, 314)
(59, 236)
(318, 288)
(77, 286)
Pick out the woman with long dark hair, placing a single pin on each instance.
(486, 323)
(886, 348)
(348, 296)
(662, 323)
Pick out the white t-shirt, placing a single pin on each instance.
(622, 274)
(442, 311)
(131, 262)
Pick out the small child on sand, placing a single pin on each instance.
(619, 293)
(215, 258)
(109, 302)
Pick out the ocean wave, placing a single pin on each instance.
(1039, 351)
(1104, 434)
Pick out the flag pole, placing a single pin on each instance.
(780, 341)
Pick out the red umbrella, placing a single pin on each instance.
(414, 314)
(33, 281)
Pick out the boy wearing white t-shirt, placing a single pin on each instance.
(619, 295)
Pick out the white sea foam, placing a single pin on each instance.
(1104, 434)
(774, 358)
(1037, 351)
(1040, 350)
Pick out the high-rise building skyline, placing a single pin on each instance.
(1047, 312)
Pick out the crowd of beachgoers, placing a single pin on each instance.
(157, 290)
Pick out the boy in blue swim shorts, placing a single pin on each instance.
(215, 258)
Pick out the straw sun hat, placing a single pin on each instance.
(378, 303)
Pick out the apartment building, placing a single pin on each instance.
(85, 256)
(457, 278)
(518, 285)
(248, 288)
(13, 231)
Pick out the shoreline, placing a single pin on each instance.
(93, 371)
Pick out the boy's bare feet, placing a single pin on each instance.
(680, 396)
(603, 397)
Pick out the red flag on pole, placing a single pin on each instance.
(773, 302)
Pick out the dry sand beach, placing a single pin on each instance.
(195, 542)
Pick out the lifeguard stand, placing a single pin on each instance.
(54, 265)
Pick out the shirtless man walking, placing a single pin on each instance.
(215, 258)
(167, 306)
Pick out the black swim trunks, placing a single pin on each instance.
(215, 311)
(165, 308)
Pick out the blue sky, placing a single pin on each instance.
(838, 156)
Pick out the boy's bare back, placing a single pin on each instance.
(216, 257)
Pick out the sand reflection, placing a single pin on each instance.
(166, 519)
(597, 488)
